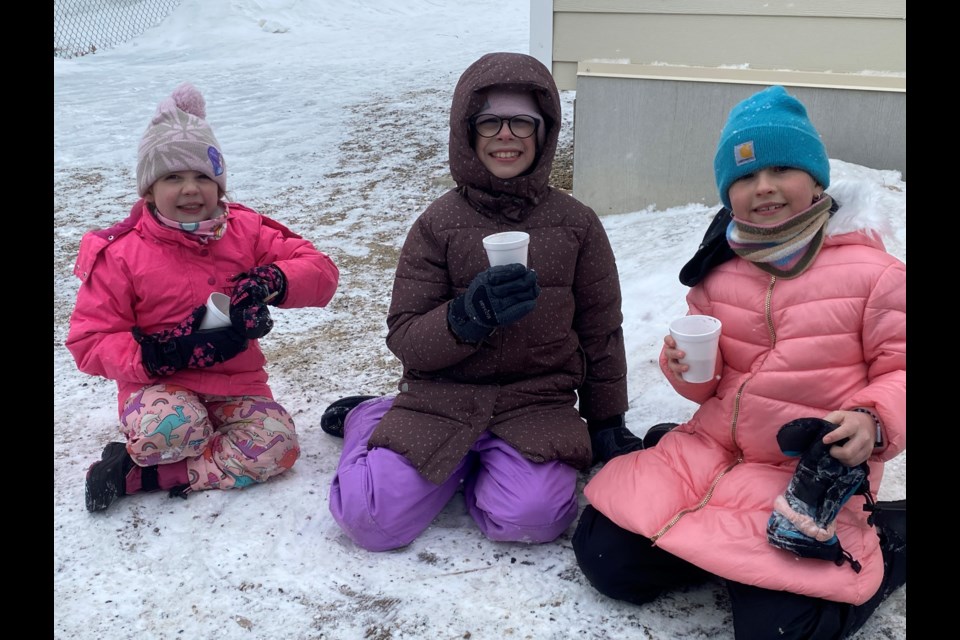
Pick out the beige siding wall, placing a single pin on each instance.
(842, 36)
(655, 80)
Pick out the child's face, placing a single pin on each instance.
(772, 195)
(505, 155)
(185, 196)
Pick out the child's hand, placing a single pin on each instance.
(860, 431)
(497, 297)
(253, 290)
(186, 347)
(259, 285)
(253, 321)
(673, 356)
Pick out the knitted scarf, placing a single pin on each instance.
(784, 249)
(204, 230)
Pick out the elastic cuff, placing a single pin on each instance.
(281, 294)
(173, 474)
(141, 479)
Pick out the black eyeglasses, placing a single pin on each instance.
(489, 125)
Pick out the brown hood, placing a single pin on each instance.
(515, 196)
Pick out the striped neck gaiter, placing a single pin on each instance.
(784, 249)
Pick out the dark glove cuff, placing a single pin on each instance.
(463, 326)
(607, 423)
(281, 286)
(160, 357)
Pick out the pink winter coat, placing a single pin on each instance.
(832, 338)
(142, 273)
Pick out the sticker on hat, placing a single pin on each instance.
(216, 160)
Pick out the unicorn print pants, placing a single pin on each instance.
(225, 442)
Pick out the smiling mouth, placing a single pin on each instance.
(769, 208)
(505, 155)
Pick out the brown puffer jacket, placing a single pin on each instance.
(522, 383)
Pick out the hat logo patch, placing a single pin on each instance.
(216, 160)
(743, 153)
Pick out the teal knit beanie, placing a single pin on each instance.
(768, 129)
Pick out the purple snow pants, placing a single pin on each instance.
(383, 503)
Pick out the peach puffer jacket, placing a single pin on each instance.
(832, 338)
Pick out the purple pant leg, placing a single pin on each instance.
(515, 500)
(377, 497)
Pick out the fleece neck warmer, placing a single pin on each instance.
(784, 249)
(204, 230)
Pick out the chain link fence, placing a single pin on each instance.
(82, 27)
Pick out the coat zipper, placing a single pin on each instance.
(733, 426)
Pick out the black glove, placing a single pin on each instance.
(803, 517)
(497, 297)
(185, 346)
(610, 438)
(251, 293)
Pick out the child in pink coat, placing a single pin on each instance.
(768, 485)
(194, 405)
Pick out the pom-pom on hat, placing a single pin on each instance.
(768, 129)
(178, 138)
(507, 103)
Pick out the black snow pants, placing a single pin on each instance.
(626, 566)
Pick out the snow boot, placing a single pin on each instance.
(334, 415)
(890, 519)
(610, 438)
(657, 431)
(107, 479)
(803, 518)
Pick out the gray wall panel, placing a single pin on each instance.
(642, 142)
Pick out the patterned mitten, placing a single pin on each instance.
(185, 346)
(254, 289)
(804, 517)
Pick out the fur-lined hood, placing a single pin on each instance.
(860, 210)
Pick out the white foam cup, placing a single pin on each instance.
(507, 247)
(699, 338)
(218, 312)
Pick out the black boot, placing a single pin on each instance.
(657, 431)
(107, 479)
(333, 416)
(890, 518)
(610, 438)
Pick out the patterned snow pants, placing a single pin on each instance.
(226, 442)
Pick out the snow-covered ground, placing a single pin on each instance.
(333, 120)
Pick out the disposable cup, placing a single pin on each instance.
(698, 337)
(218, 312)
(507, 247)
